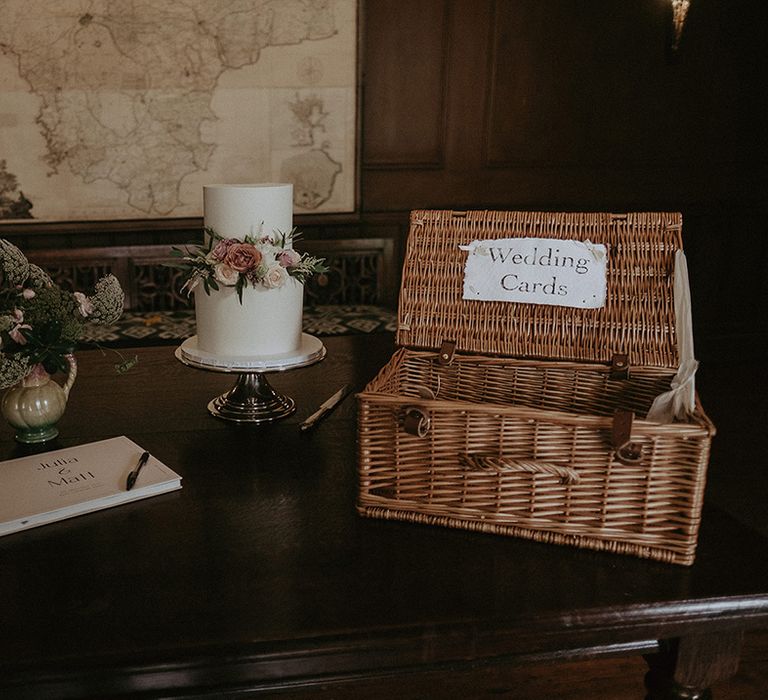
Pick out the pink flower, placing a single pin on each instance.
(28, 294)
(15, 332)
(84, 303)
(17, 335)
(243, 257)
(275, 277)
(225, 274)
(219, 251)
(288, 257)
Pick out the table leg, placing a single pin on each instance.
(686, 667)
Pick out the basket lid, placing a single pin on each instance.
(638, 318)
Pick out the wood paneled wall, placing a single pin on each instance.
(560, 105)
(571, 105)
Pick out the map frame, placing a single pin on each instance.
(93, 228)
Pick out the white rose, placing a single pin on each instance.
(226, 274)
(84, 304)
(275, 277)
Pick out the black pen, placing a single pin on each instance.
(135, 473)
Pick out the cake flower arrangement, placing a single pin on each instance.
(266, 261)
(41, 324)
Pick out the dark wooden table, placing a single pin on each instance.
(259, 575)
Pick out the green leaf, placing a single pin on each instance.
(125, 365)
(212, 234)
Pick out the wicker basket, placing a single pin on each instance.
(465, 428)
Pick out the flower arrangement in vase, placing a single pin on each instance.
(40, 327)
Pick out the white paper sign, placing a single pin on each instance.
(536, 271)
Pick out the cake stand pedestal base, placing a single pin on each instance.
(252, 399)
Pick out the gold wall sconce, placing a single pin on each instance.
(679, 13)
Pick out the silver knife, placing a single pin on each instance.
(325, 407)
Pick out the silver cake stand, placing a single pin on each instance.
(252, 399)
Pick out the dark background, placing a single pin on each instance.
(557, 105)
(569, 105)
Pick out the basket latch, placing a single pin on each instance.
(447, 351)
(626, 451)
(620, 366)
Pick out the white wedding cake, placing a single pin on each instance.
(261, 320)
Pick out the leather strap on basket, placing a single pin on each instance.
(620, 366)
(626, 451)
(447, 351)
(530, 466)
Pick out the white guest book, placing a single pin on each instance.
(50, 486)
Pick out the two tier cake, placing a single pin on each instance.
(247, 280)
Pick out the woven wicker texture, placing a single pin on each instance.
(489, 414)
(527, 447)
(638, 318)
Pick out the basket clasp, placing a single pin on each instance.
(447, 351)
(626, 451)
(620, 366)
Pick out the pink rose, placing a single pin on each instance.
(225, 274)
(243, 257)
(275, 277)
(288, 257)
(219, 251)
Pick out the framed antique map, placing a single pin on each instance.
(123, 110)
